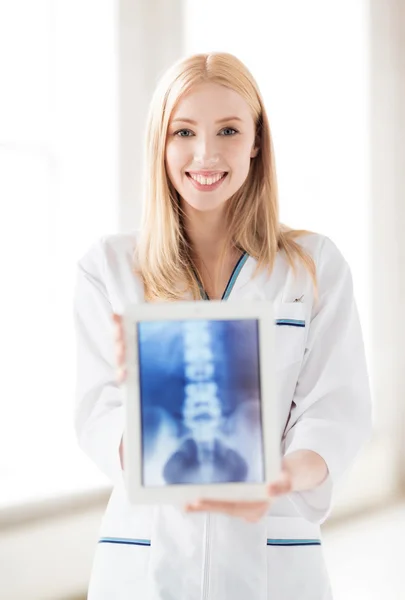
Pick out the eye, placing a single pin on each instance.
(180, 133)
(228, 131)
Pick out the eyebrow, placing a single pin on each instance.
(185, 120)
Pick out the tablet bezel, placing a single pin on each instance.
(263, 312)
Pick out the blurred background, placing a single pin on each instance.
(76, 78)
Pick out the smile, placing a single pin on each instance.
(206, 182)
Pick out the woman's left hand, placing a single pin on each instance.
(250, 511)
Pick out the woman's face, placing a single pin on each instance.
(210, 143)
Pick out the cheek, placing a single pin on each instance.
(239, 150)
(176, 156)
(172, 166)
(238, 158)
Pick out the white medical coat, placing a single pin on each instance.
(162, 553)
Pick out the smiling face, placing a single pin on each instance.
(210, 143)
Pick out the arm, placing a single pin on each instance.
(331, 409)
(306, 469)
(99, 412)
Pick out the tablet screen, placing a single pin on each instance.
(200, 402)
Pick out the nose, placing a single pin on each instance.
(206, 152)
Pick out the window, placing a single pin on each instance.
(58, 164)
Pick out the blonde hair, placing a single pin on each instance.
(163, 253)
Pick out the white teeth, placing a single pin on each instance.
(207, 180)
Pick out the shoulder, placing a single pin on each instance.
(109, 265)
(332, 268)
(109, 251)
(322, 249)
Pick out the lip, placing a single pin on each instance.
(206, 173)
(206, 188)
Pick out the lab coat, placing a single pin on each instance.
(159, 552)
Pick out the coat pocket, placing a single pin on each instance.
(295, 562)
(290, 333)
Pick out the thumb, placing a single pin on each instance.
(282, 485)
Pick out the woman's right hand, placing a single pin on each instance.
(120, 356)
(120, 351)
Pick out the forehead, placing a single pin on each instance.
(211, 101)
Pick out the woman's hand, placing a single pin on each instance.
(120, 357)
(120, 350)
(300, 470)
(249, 511)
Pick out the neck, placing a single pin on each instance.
(206, 232)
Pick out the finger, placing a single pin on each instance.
(118, 327)
(119, 336)
(282, 486)
(243, 504)
(117, 319)
(212, 505)
(258, 514)
(192, 506)
(121, 374)
(121, 453)
(231, 508)
(227, 508)
(120, 353)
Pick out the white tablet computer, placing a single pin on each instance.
(200, 401)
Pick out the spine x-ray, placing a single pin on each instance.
(200, 402)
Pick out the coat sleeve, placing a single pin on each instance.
(331, 409)
(99, 412)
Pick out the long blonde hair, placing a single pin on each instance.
(163, 253)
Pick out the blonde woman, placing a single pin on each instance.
(210, 229)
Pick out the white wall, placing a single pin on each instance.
(150, 41)
(387, 93)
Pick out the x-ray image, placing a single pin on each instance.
(200, 402)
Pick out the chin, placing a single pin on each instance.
(205, 204)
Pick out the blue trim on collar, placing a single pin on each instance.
(234, 276)
(232, 280)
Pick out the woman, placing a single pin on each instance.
(211, 229)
